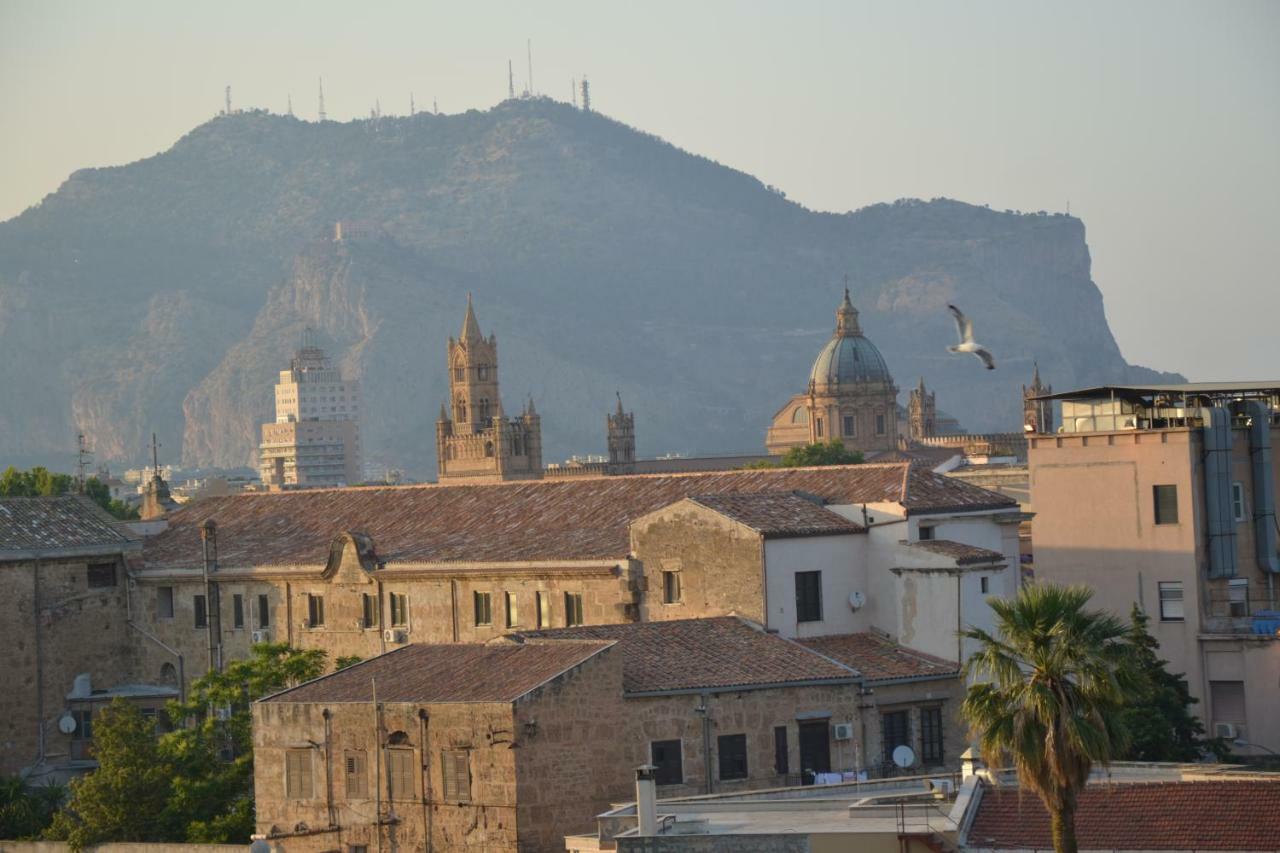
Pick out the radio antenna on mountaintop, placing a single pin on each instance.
(435, 108)
(290, 105)
(84, 454)
(228, 112)
(412, 109)
(511, 82)
(529, 47)
(321, 111)
(573, 91)
(586, 95)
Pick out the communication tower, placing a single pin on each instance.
(228, 112)
(529, 48)
(321, 113)
(83, 456)
(586, 95)
(511, 81)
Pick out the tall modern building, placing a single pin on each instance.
(315, 440)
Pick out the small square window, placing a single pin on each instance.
(1171, 609)
(483, 605)
(1166, 504)
(1238, 596)
(732, 750)
(926, 533)
(671, 587)
(1237, 501)
(102, 575)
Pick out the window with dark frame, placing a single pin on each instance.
(1238, 597)
(1171, 607)
(1237, 501)
(666, 756)
(264, 611)
(544, 609)
(880, 425)
(101, 575)
(732, 752)
(237, 610)
(368, 610)
(984, 584)
(512, 608)
(781, 764)
(850, 425)
(895, 728)
(482, 604)
(315, 610)
(817, 427)
(1166, 503)
(399, 609)
(356, 768)
(164, 602)
(297, 775)
(926, 532)
(808, 596)
(455, 765)
(572, 609)
(670, 587)
(201, 614)
(84, 723)
(931, 735)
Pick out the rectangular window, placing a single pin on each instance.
(400, 774)
(84, 723)
(880, 425)
(665, 755)
(1226, 699)
(357, 774)
(456, 767)
(237, 610)
(926, 533)
(201, 614)
(817, 427)
(102, 575)
(315, 610)
(732, 750)
(808, 596)
(1171, 601)
(1166, 500)
(1237, 501)
(483, 603)
(780, 763)
(984, 585)
(1238, 596)
(513, 612)
(368, 610)
(264, 611)
(297, 775)
(670, 587)
(544, 610)
(895, 731)
(850, 425)
(931, 735)
(572, 608)
(399, 609)
(164, 602)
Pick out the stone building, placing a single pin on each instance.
(922, 413)
(475, 441)
(850, 395)
(1037, 410)
(621, 428)
(315, 438)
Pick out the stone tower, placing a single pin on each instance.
(921, 413)
(475, 442)
(622, 440)
(1037, 415)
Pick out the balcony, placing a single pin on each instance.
(1229, 611)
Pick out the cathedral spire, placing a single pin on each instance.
(847, 316)
(470, 328)
(619, 395)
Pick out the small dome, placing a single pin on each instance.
(848, 360)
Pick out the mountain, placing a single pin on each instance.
(166, 294)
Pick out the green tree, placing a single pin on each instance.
(121, 799)
(41, 482)
(212, 757)
(101, 495)
(832, 452)
(27, 810)
(1160, 723)
(1057, 680)
(346, 660)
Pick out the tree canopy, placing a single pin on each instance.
(41, 482)
(832, 452)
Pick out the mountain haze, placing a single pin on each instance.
(166, 294)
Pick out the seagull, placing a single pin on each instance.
(964, 328)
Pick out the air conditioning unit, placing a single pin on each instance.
(260, 636)
(395, 635)
(843, 731)
(1228, 731)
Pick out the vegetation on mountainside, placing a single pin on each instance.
(1054, 681)
(832, 452)
(41, 482)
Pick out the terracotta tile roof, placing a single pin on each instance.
(49, 525)
(779, 514)
(455, 672)
(688, 654)
(572, 519)
(1225, 815)
(879, 659)
(963, 554)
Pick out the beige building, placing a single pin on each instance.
(315, 439)
(1165, 496)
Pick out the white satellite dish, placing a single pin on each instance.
(856, 600)
(66, 724)
(904, 756)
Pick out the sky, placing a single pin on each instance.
(1157, 123)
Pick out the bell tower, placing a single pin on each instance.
(622, 439)
(921, 413)
(473, 376)
(1037, 415)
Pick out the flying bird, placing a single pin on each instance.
(964, 328)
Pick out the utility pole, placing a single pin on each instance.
(213, 613)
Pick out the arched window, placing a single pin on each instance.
(397, 739)
(488, 448)
(484, 409)
(169, 675)
(800, 415)
(462, 410)
(515, 446)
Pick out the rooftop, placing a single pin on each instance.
(723, 652)
(554, 519)
(68, 525)
(964, 555)
(1190, 389)
(446, 673)
(880, 659)
(780, 514)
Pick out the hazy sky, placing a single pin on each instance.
(1159, 122)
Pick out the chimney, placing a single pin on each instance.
(647, 799)
(970, 763)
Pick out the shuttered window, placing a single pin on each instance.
(399, 609)
(544, 610)
(732, 750)
(808, 596)
(297, 774)
(315, 610)
(513, 611)
(456, 766)
(1166, 500)
(671, 593)
(572, 608)
(1227, 698)
(483, 608)
(931, 735)
(895, 729)
(368, 611)
(665, 755)
(356, 769)
(400, 774)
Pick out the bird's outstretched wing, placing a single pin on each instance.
(964, 326)
(987, 358)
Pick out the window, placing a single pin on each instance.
(880, 424)
(164, 602)
(264, 612)
(237, 611)
(483, 602)
(1166, 499)
(513, 614)
(456, 767)
(357, 848)
(931, 735)
(817, 427)
(665, 755)
(1237, 501)
(315, 610)
(800, 416)
(368, 610)
(895, 731)
(201, 614)
(1171, 601)
(357, 772)
(488, 448)
(399, 609)
(670, 587)
(984, 584)
(732, 750)
(400, 774)
(1238, 596)
(84, 723)
(459, 374)
(544, 610)
(297, 774)
(482, 372)
(926, 533)
(101, 575)
(572, 608)
(850, 425)
(780, 764)
(808, 596)
(1226, 699)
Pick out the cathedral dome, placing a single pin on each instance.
(848, 358)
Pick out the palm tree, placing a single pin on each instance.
(1050, 687)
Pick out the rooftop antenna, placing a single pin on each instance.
(228, 112)
(155, 456)
(412, 108)
(529, 47)
(573, 90)
(321, 112)
(84, 454)
(586, 95)
(511, 81)
(290, 104)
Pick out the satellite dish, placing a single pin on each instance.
(66, 724)
(904, 756)
(856, 600)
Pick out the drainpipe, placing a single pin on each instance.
(704, 710)
(213, 612)
(35, 604)
(328, 766)
(423, 719)
(646, 800)
(377, 764)
(453, 599)
(959, 618)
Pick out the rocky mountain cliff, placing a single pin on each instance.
(166, 294)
